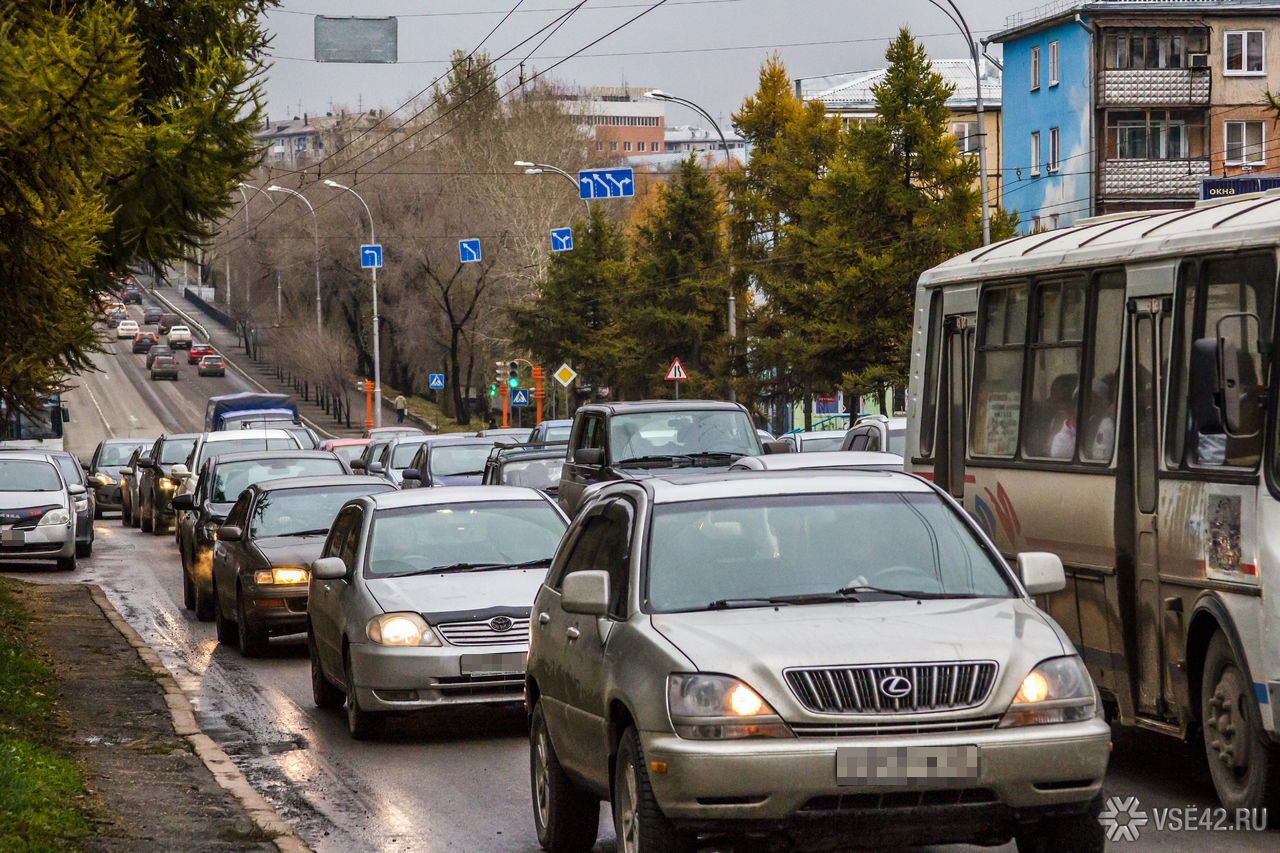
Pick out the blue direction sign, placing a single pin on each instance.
(371, 256)
(606, 183)
(520, 397)
(435, 381)
(561, 239)
(469, 250)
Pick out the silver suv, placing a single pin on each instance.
(833, 654)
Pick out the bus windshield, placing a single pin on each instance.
(16, 427)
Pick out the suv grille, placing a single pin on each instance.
(485, 632)
(892, 689)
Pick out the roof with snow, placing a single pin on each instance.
(852, 92)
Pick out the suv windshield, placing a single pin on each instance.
(403, 454)
(451, 460)
(176, 450)
(683, 433)
(535, 473)
(461, 537)
(28, 475)
(232, 478)
(747, 551)
(293, 511)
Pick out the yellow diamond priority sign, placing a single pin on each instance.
(565, 375)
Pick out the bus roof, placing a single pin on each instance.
(1240, 222)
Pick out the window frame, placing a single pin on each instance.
(1035, 67)
(1243, 160)
(1035, 153)
(1243, 71)
(1054, 152)
(1053, 64)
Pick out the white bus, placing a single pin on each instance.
(45, 432)
(1108, 392)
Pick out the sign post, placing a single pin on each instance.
(367, 388)
(565, 376)
(435, 381)
(676, 374)
(469, 251)
(537, 393)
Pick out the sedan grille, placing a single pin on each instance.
(906, 688)
(500, 630)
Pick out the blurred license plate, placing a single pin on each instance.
(905, 765)
(13, 537)
(509, 663)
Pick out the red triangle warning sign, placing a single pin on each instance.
(676, 371)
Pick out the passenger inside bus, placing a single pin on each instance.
(1062, 402)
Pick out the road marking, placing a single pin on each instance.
(110, 432)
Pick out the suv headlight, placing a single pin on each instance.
(712, 707)
(282, 576)
(53, 517)
(165, 483)
(82, 504)
(400, 629)
(1058, 690)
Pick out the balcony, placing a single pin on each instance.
(1152, 179)
(1151, 87)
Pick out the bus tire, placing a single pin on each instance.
(1244, 766)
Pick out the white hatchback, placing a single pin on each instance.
(127, 329)
(179, 336)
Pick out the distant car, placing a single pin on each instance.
(511, 433)
(551, 431)
(37, 521)
(179, 336)
(117, 313)
(131, 294)
(103, 470)
(152, 512)
(197, 351)
(127, 329)
(348, 448)
(211, 365)
(152, 314)
(164, 367)
(395, 457)
(157, 351)
(303, 434)
(813, 440)
(388, 432)
(877, 432)
(144, 341)
(532, 466)
(167, 322)
(845, 460)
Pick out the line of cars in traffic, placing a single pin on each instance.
(715, 634)
(161, 357)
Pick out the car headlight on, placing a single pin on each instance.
(54, 517)
(82, 504)
(710, 707)
(401, 629)
(165, 483)
(1058, 690)
(285, 576)
(103, 480)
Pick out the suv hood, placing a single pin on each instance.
(514, 588)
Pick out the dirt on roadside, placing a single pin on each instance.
(149, 790)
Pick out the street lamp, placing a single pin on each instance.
(315, 225)
(241, 187)
(659, 95)
(377, 358)
(540, 168)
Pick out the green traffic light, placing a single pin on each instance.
(493, 390)
(513, 382)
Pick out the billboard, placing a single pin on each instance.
(356, 39)
(1227, 187)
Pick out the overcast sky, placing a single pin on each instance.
(708, 51)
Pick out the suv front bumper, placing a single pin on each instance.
(437, 676)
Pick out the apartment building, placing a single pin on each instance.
(623, 122)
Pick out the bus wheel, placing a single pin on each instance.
(1244, 767)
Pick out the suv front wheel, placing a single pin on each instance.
(638, 822)
(567, 818)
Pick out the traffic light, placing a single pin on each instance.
(493, 389)
(513, 374)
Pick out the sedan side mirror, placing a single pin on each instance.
(230, 533)
(1041, 572)
(375, 468)
(329, 569)
(357, 464)
(145, 462)
(772, 447)
(124, 470)
(593, 456)
(183, 502)
(76, 489)
(586, 592)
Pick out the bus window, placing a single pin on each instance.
(929, 391)
(997, 397)
(1053, 410)
(1098, 438)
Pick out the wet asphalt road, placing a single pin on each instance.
(440, 783)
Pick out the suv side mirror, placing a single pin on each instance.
(772, 447)
(145, 462)
(1041, 572)
(593, 456)
(76, 489)
(229, 533)
(357, 464)
(329, 569)
(409, 474)
(586, 592)
(179, 472)
(183, 502)
(375, 468)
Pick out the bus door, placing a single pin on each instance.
(1139, 596)
(953, 395)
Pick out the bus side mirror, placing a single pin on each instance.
(1241, 392)
(1203, 388)
(66, 415)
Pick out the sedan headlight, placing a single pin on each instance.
(711, 707)
(53, 517)
(165, 483)
(103, 480)
(401, 629)
(1058, 690)
(286, 576)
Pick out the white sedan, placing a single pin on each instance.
(127, 329)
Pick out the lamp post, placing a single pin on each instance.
(541, 168)
(315, 225)
(975, 54)
(659, 95)
(377, 358)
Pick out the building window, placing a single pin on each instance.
(1246, 143)
(1053, 149)
(1244, 52)
(1127, 49)
(626, 146)
(1053, 63)
(613, 146)
(655, 146)
(1155, 135)
(599, 145)
(966, 134)
(1035, 153)
(1035, 68)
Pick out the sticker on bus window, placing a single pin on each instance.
(1222, 517)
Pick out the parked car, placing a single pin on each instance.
(221, 480)
(917, 673)
(390, 431)
(627, 441)
(127, 329)
(157, 483)
(348, 448)
(143, 341)
(448, 460)
(877, 432)
(263, 554)
(130, 473)
(37, 510)
(813, 440)
(152, 314)
(164, 367)
(157, 350)
(82, 502)
(534, 466)
(421, 599)
(835, 459)
(167, 322)
(197, 351)
(549, 432)
(103, 470)
(211, 365)
(503, 434)
(179, 336)
(395, 457)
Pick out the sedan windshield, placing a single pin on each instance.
(28, 475)
(535, 473)
(683, 433)
(290, 512)
(231, 478)
(797, 549)
(349, 451)
(451, 460)
(463, 537)
(115, 455)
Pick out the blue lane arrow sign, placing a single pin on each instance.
(561, 239)
(469, 250)
(606, 183)
(435, 381)
(371, 256)
(520, 397)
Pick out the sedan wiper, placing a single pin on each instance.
(488, 567)
(317, 532)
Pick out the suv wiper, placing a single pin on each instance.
(488, 567)
(730, 603)
(637, 460)
(901, 593)
(316, 532)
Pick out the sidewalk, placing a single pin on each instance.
(147, 789)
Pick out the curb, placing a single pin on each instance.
(184, 725)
